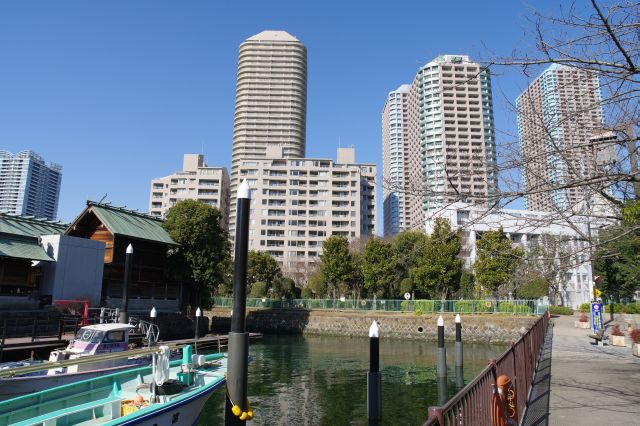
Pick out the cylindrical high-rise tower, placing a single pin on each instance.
(271, 101)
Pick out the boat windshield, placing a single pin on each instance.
(89, 335)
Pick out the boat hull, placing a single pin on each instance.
(17, 386)
(186, 412)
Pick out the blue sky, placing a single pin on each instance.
(117, 91)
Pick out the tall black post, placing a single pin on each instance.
(236, 404)
(441, 369)
(124, 316)
(374, 377)
(459, 354)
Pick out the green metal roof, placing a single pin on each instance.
(22, 249)
(132, 224)
(28, 226)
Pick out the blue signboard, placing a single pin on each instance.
(596, 317)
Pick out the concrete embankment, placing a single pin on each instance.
(486, 328)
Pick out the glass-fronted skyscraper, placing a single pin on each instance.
(28, 185)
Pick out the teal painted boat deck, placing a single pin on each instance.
(99, 400)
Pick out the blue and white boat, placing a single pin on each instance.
(90, 342)
(165, 393)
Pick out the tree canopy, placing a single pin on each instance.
(496, 260)
(337, 264)
(437, 274)
(203, 257)
(379, 267)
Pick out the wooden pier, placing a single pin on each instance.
(20, 348)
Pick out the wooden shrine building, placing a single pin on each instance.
(118, 227)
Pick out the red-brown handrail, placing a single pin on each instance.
(472, 405)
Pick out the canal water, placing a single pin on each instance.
(321, 380)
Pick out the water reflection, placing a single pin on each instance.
(321, 380)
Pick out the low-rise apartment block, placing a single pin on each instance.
(526, 228)
(297, 203)
(196, 181)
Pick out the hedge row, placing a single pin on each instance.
(619, 308)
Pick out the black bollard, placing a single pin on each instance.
(442, 351)
(442, 390)
(152, 315)
(374, 377)
(124, 316)
(238, 350)
(459, 354)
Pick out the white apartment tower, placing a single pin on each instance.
(29, 186)
(271, 101)
(449, 124)
(452, 121)
(560, 125)
(402, 183)
(297, 203)
(196, 181)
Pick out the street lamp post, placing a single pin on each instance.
(124, 316)
(198, 315)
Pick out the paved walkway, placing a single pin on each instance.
(579, 383)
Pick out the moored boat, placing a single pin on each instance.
(90, 341)
(165, 393)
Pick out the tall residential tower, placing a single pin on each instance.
(271, 101)
(402, 183)
(448, 123)
(560, 125)
(29, 186)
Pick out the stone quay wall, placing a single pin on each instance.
(486, 328)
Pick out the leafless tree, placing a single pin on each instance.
(596, 158)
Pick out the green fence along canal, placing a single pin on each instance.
(321, 380)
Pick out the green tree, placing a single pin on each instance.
(356, 282)
(467, 285)
(258, 289)
(406, 286)
(496, 260)
(379, 268)
(262, 267)
(532, 286)
(409, 248)
(617, 259)
(316, 287)
(438, 271)
(284, 288)
(337, 264)
(203, 257)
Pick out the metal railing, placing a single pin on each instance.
(472, 405)
(518, 307)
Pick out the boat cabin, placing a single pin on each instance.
(99, 339)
